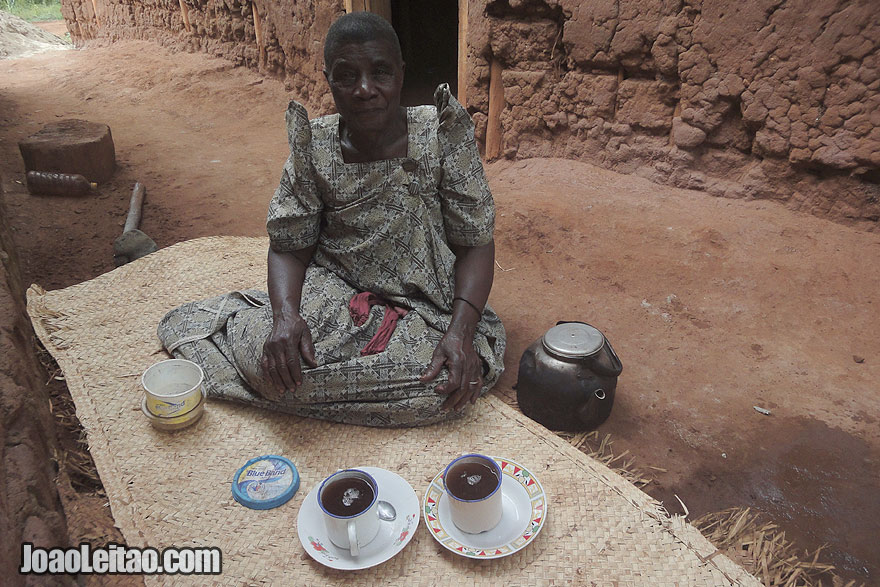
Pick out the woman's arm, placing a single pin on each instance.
(290, 338)
(474, 272)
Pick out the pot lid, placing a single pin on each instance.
(573, 340)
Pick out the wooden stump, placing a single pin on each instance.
(71, 146)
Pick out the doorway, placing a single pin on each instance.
(428, 32)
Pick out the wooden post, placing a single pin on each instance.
(675, 114)
(405, 29)
(184, 12)
(81, 19)
(258, 33)
(462, 51)
(620, 78)
(496, 106)
(380, 7)
(95, 8)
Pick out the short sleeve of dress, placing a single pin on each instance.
(467, 204)
(294, 217)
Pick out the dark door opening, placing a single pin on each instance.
(428, 32)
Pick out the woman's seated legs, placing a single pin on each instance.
(382, 389)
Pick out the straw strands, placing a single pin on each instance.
(601, 450)
(762, 548)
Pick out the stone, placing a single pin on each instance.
(686, 136)
(645, 103)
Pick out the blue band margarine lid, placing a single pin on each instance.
(265, 482)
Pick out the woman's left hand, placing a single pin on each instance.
(456, 352)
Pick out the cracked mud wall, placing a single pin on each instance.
(771, 99)
(30, 508)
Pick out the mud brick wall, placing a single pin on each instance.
(758, 99)
(30, 509)
(772, 99)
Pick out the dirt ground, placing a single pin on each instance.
(714, 306)
(56, 27)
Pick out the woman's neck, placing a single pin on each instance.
(389, 142)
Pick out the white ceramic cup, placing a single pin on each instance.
(475, 515)
(357, 530)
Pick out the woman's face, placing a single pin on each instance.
(365, 79)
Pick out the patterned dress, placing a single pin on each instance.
(383, 227)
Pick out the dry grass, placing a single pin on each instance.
(762, 549)
(601, 450)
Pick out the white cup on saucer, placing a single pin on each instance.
(473, 487)
(348, 500)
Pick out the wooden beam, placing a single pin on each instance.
(184, 12)
(496, 106)
(258, 33)
(462, 51)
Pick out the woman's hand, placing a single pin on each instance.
(289, 341)
(473, 280)
(456, 352)
(290, 338)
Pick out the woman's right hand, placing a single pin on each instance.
(289, 341)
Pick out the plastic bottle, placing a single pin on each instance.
(58, 184)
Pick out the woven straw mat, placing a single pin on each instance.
(173, 489)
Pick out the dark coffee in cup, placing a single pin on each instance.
(347, 496)
(470, 480)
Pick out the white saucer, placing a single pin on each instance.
(524, 512)
(392, 537)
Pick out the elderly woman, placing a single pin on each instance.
(380, 262)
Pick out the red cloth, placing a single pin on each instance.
(359, 309)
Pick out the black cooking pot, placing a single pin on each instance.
(567, 378)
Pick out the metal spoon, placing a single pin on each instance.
(386, 511)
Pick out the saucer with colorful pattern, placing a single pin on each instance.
(392, 537)
(524, 511)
